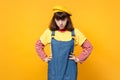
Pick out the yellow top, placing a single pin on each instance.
(62, 36)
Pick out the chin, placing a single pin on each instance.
(61, 28)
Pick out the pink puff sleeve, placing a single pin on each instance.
(40, 50)
(86, 51)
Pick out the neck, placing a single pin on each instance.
(62, 30)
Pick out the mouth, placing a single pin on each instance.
(61, 25)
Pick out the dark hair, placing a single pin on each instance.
(61, 16)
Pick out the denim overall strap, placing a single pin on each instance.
(61, 67)
(73, 33)
(53, 34)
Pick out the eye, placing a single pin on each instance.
(60, 18)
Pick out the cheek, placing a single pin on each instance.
(56, 22)
(65, 22)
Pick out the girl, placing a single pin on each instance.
(62, 36)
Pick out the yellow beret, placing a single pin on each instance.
(61, 9)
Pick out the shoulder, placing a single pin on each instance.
(48, 30)
(79, 37)
(46, 33)
(77, 31)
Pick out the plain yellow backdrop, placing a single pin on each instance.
(23, 21)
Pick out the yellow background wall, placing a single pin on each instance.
(23, 21)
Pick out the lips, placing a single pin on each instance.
(61, 25)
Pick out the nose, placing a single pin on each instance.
(60, 21)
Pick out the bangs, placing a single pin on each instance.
(60, 15)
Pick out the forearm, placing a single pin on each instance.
(40, 50)
(87, 49)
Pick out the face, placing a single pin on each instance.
(61, 23)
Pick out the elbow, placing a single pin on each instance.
(91, 47)
(87, 46)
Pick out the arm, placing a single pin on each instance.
(87, 49)
(40, 50)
